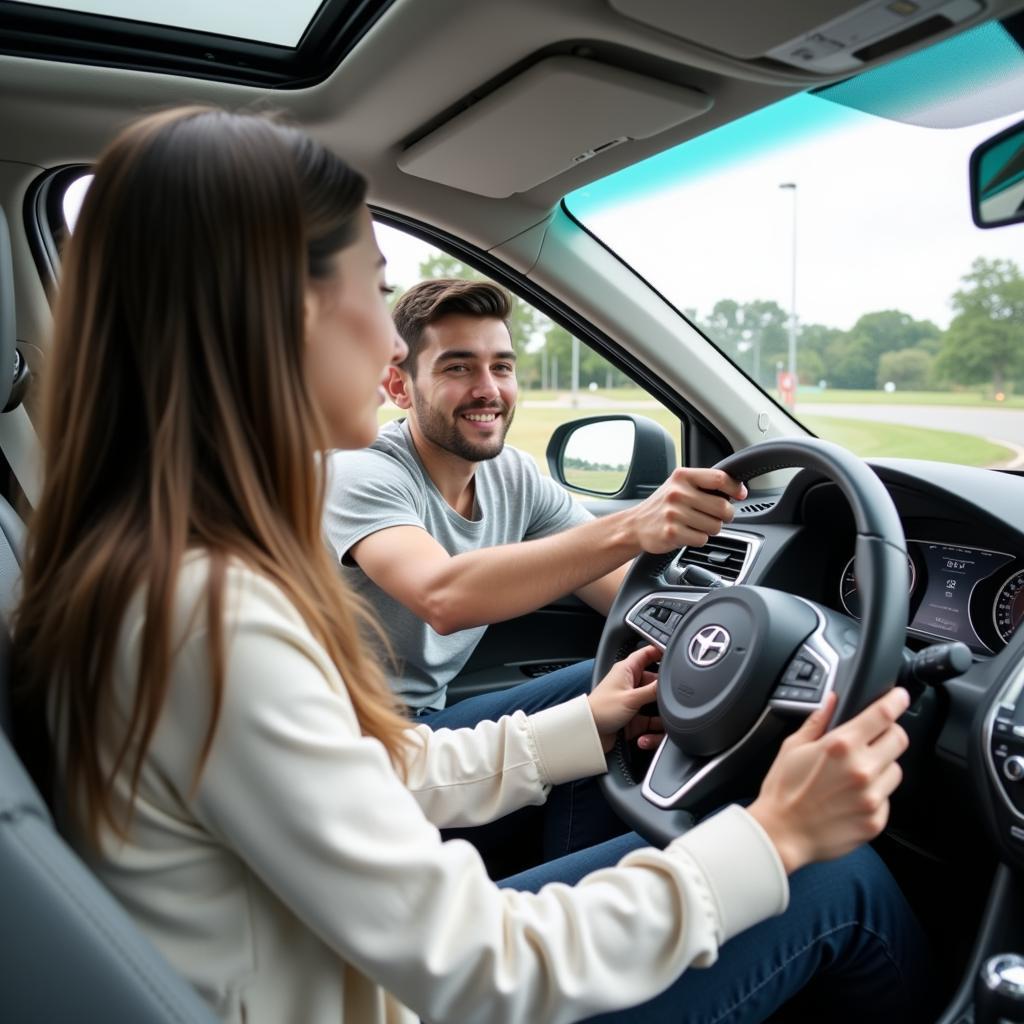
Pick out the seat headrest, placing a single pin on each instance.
(9, 360)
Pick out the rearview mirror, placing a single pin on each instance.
(997, 179)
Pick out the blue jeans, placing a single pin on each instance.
(847, 950)
(575, 815)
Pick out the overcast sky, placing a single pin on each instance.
(883, 222)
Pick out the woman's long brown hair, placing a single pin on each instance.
(177, 415)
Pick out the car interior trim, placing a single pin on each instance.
(669, 802)
(818, 648)
(753, 543)
(1014, 684)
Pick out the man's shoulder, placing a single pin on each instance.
(389, 455)
(392, 442)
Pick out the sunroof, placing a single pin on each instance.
(278, 44)
(263, 21)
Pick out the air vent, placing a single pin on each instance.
(751, 508)
(727, 554)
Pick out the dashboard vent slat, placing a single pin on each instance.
(724, 554)
(751, 508)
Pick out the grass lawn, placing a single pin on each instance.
(533, 427)
(613, 396)
(890, 439)
(980, 397)
(974, 398)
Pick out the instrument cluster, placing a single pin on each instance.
(956, 593)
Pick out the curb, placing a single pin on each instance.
(1017, 462)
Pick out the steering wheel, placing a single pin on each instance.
(739, 663)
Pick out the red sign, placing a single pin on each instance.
(786, 383)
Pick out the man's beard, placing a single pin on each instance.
(445, 433)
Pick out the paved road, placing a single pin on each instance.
(1007, 424)
(1004, 423)
(1001, 425)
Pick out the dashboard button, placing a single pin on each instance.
(1013, 768)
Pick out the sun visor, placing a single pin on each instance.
(827, 37)
(558, 113)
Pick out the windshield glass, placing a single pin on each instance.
(825, 245)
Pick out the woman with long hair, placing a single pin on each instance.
(228, 755)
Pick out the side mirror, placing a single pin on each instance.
(614, 456)
(997, 179)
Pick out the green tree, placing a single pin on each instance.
(812, 345)
(810, 367)
(985, 341)
(851, 362)
(853, 358)
(753, 334)
(910, 369)
(558, 352)
(891, 330)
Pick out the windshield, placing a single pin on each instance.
(825, 245)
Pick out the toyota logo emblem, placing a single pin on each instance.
(708, 646)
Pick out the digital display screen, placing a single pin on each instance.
(952, 573)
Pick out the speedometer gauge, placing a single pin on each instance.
(1008, 609)
(849, 595)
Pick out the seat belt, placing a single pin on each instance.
(20, 446)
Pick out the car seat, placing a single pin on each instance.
(68, 952)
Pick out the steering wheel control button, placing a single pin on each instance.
(657, 617)
(1013, 768)
(803, 681)
(801, 694)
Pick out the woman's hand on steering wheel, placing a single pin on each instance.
(826, 793)
(615, 701)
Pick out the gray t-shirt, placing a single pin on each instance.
(386, 485)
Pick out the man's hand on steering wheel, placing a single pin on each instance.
(690, 506)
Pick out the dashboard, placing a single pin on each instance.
(964, 531)
(974, 595)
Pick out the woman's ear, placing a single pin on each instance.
(397, 387)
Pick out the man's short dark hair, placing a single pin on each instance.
(427, 302)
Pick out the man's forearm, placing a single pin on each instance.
(477, 588)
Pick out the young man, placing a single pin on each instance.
(444, 529)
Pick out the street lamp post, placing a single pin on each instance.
(791, 186)
(575, 378)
